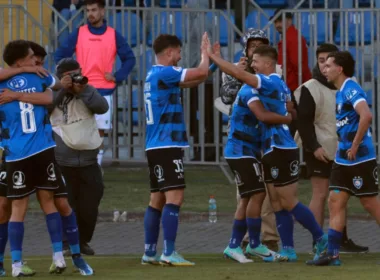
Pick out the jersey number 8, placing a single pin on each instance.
(28, 121)
(148, 109)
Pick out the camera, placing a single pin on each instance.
(79, 79)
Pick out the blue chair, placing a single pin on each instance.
(130, 3)
(254, 21)
(172, 3)
(223, 26)
(272, 3)
(356, 20)
(173, 20)
(357, 54)
(369, 98)
(364, 3)
(237, 56)
(316, 4)
(117, 23)
(310, 20)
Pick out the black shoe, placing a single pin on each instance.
(85, 249)
(349, 247)
(325, 260)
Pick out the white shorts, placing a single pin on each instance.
(104, 121)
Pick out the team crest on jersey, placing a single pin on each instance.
(238, 180)
(17, 83)
(159, 172)
(350, 94)
(18, 180)
(358, 182)
(51, 172)
(176, 68)
(274, 172)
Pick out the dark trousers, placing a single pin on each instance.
(85, 189)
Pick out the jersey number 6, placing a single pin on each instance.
(28, 121)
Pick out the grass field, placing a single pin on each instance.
(127, 189)
(214, 267)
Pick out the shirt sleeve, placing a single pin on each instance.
(306, 115)
(355, 96)
(249, 96)
(172, 75)
(49, 81)
(265, 84)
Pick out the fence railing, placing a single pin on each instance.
(206, 127)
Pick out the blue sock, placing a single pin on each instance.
(285, 228)
(239, 229)
(70, 228)
(152, 230)
(254, 230)
(54, 225)
(170, 215)
(16, 236)
(306, 218)
(335, 238)
(3, 240)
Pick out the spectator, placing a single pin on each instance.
(77, 142)
(96, 45)
(292, 63)
(68, 9)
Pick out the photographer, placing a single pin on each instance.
(77, 139)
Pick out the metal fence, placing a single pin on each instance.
(206, 127)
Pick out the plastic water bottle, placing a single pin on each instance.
(212, 217)
(116, 215)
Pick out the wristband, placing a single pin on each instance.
(213, 67)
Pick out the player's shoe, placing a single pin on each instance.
(20, 269)
(349, 247)
(321, 246)
(263, 252)
(290, 253)
(82, 266)
(150, 260)
(236, 254)
(58, 266)
(175, 259)
(2, 270)
(325, 260)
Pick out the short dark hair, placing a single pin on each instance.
(165, 41)
(15, 50)
(37, 49)
(279, 10)
(268, 51)
(345, 60)
(326, 48)
(101, 3)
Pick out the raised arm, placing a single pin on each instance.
(7, 73)
(36, 98)
(266, 116)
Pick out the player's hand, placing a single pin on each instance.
(242, 63)
(289, 118)
(109, 77)
(320, 154)
(216, 49)
(77, 88)
(7, 95)
(39, 70)
(206, 45)
(351, 152)
(289, 106)
(67, 82)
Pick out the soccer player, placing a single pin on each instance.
(165, 139)
(29, 154)
(243, 154)
(354, 171)
(69, 222)
(280, 152)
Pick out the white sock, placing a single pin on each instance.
(100, 157)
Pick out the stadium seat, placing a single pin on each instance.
(134, 19)
(357, 54)
(272, 3)
(129, 3)
(172, 3)
(223, 26)
(135, 113)
(356, 20)
(254, 21)
(369, 98)
(315, 21)
(316, 4)
(237, 56)
(173, 20)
